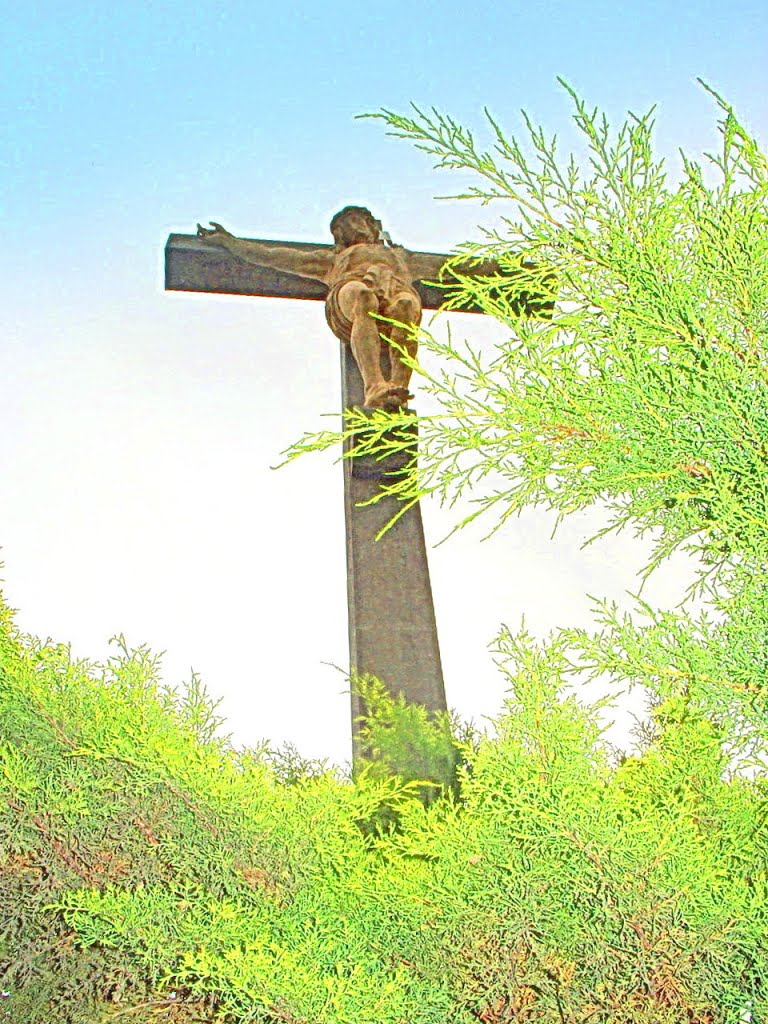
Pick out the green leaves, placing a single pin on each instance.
(550, 875)
(653, 364)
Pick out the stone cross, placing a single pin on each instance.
(392, 629)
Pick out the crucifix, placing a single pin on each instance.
(392, 628)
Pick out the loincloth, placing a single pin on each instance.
(386, 286)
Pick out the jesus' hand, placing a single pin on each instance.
(214, 234)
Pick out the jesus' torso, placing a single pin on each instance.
(374, 260)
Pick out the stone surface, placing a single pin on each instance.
(392, 627)
(193, 266)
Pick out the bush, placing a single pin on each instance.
(146, 864)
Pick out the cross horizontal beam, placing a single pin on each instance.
(193, 266)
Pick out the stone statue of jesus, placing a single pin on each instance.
(365, 274)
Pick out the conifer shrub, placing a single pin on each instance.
(147, 864)
(147, 867)
(404, 740)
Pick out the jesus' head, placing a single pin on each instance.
(354, 224)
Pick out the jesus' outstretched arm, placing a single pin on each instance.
(312, 263)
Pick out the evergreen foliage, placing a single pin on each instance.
(149, 871)
(403, 740)
(148, 867)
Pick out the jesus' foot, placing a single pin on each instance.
(396, 399)
(384, 396)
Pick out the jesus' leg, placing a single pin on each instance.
(407, 309)
(357, 302)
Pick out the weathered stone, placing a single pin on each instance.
(392, 628)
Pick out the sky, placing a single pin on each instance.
(138, 428)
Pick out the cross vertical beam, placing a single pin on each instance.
(392, 625)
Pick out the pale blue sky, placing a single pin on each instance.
(138, 427)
